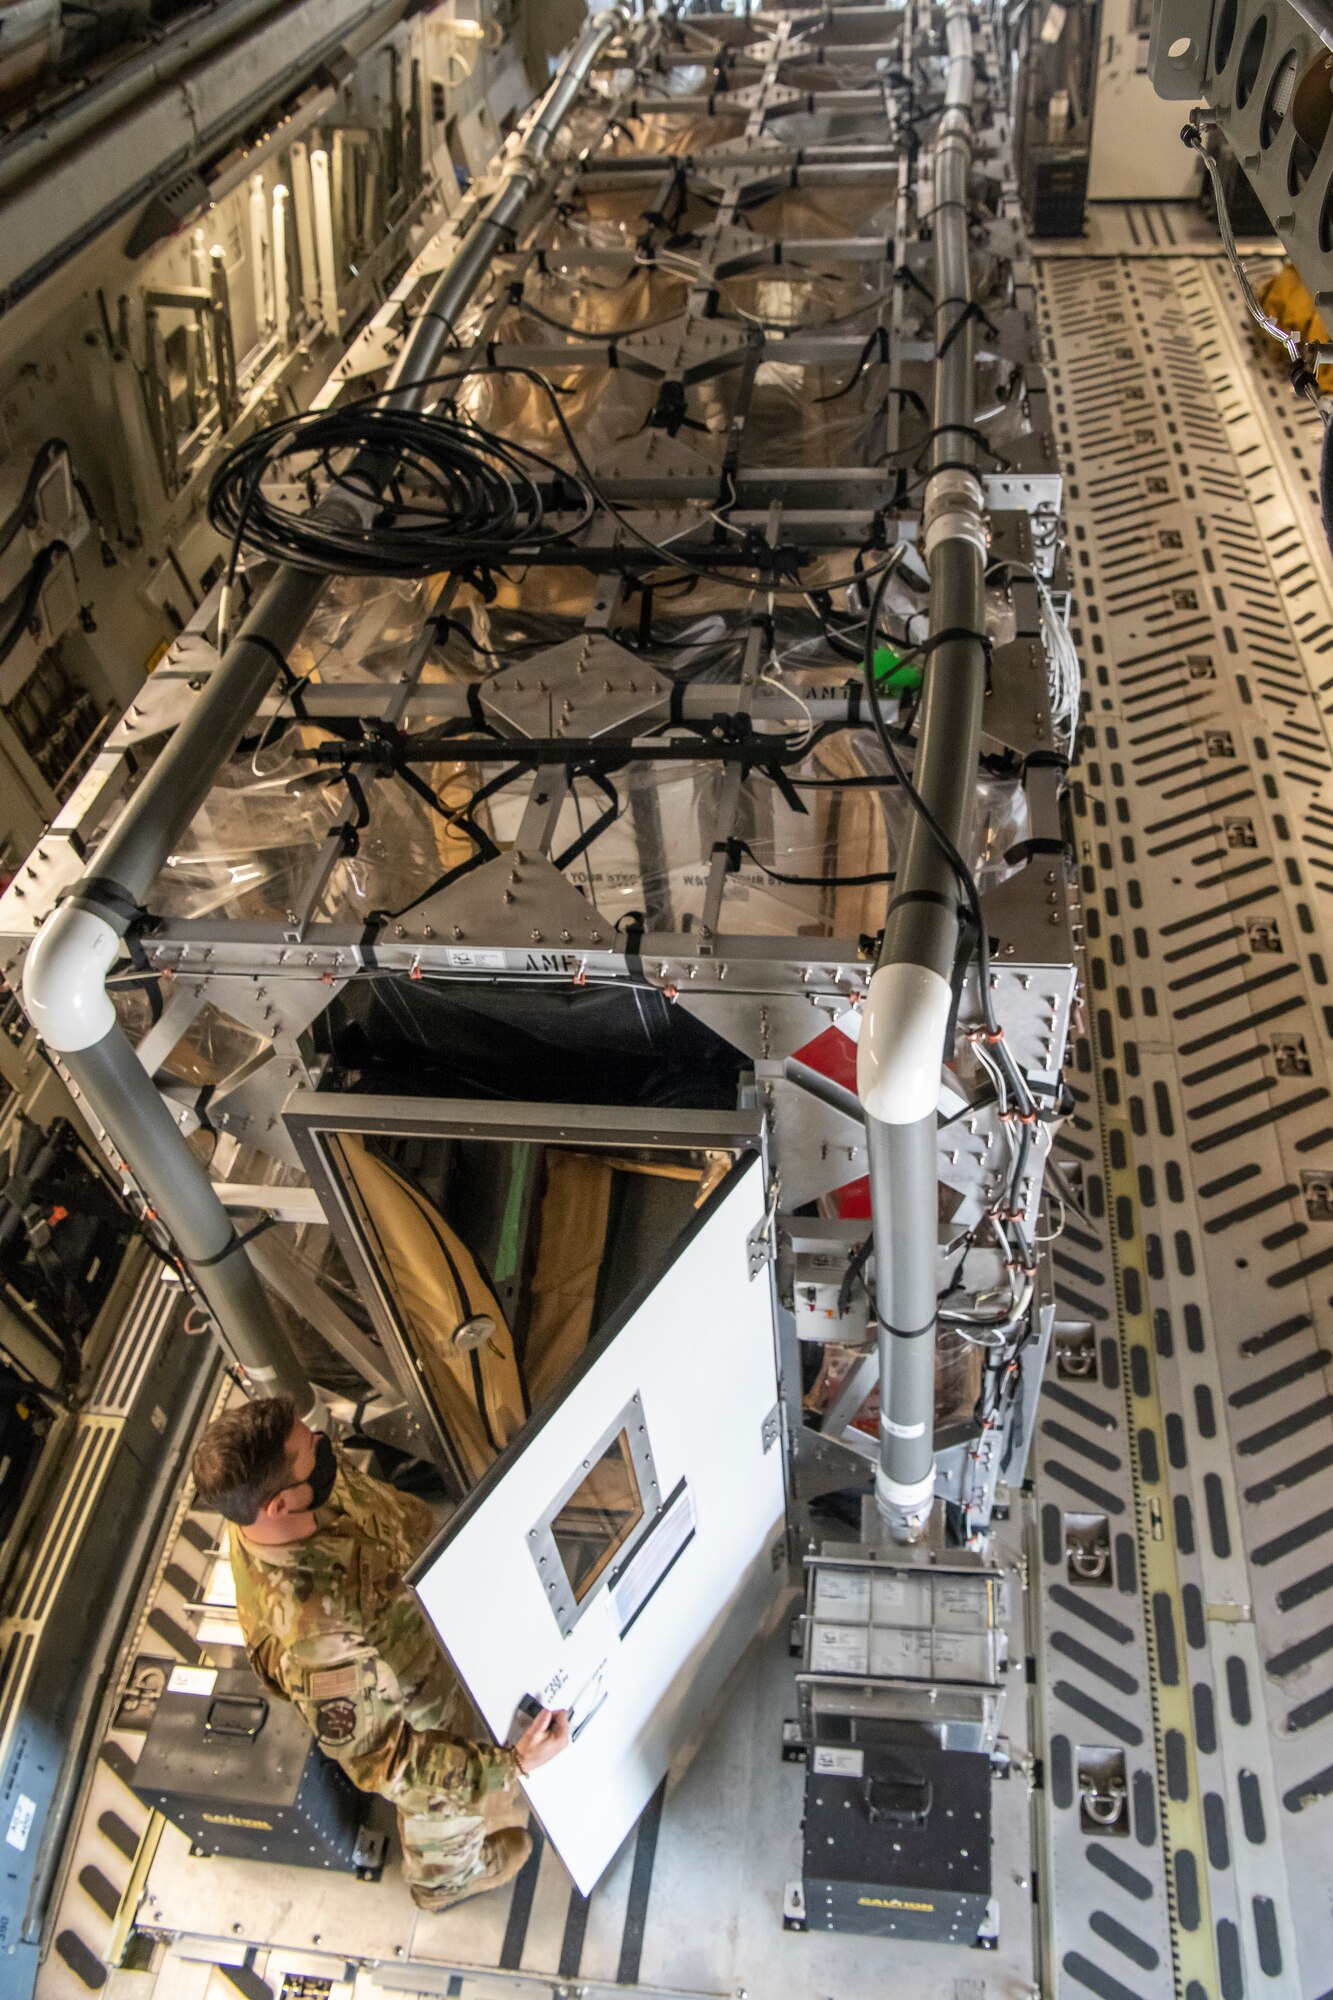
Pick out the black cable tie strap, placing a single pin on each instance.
(292, 682)
(949, 635)
(237, 1243)
(349, 833)
(954, 202)
(965, 946)
(905, 275)
(974, 435)
(737, 850)
(876, 346)
(478, 575)
(791, 798)
(1027, 850)
(1045, 760)
(971, 311)
(266, 645)
(474, 708)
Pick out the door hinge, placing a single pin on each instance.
(771, 1429)
(762, 1241)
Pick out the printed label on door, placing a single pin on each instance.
(20, 1822)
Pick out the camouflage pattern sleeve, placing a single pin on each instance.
(266, 1664)
(352, 1703)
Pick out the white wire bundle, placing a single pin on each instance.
(1063, 672)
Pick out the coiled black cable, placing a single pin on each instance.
(429, 491)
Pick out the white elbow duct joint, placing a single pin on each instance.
(64, 979)
(901, 1045)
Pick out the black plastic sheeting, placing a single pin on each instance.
(589, 1045)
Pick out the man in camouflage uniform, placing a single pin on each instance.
(318, 1551)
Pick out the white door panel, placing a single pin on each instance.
(1137, 154)
(553, 1581)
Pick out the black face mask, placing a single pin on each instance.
(323, 1473)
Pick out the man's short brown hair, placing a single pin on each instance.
(241, 1460)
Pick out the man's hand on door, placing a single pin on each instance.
(541, 1740)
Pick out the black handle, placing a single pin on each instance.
(899, 1798)
(250, 1704)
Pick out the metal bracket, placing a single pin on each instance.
(771, 1428)
(759, 1247)
(584, 687)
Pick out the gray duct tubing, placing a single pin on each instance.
(494, 228)
(908, 1005)
(64, 976)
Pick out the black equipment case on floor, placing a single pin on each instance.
(898, 1841)
(238, 1770)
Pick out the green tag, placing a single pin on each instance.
(899, 676)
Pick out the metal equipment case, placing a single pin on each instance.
(238, 1771)
(885, 1856)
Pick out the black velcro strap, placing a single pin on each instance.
(1026, 850)
(1045, 760)
(633, 945)
(237, 1243)
(109, 894)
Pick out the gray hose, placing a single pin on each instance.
(916, 964)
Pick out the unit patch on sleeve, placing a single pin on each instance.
(335, 1721)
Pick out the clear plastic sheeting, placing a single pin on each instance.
(250, 847)
(363, 629)
(817, 415)
(604, 408)
(213, 1047)
(847, 210)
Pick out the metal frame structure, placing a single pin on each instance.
(944, 309)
